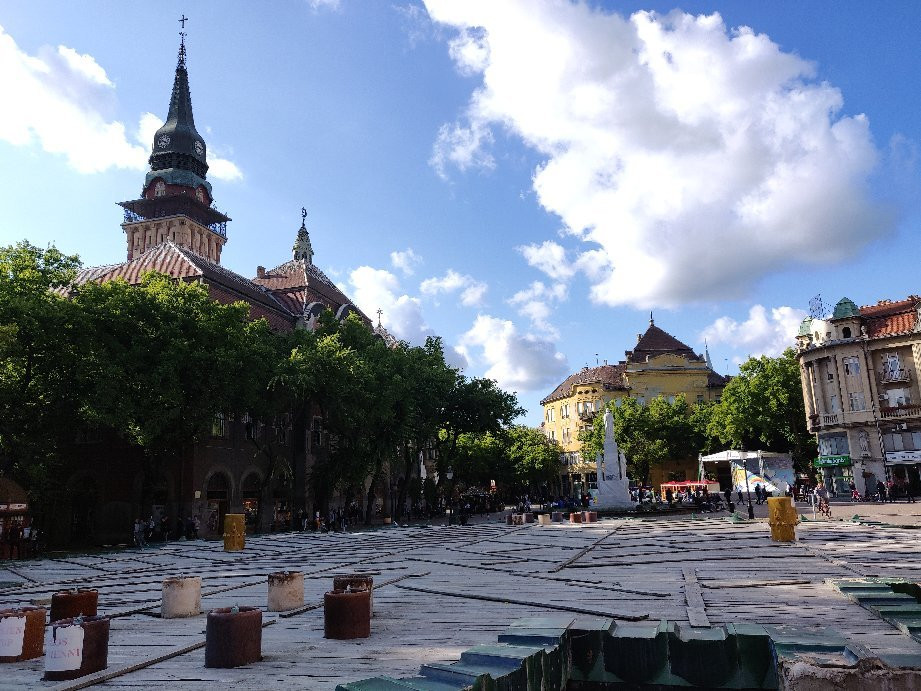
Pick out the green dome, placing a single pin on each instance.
(845, 308)
(805, 327)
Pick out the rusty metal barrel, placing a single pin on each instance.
(347, 614)
(233, 637)
(22, 633)
(68, 604)
(76, 647)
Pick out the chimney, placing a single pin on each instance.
(260, 272)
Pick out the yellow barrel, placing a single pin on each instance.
(234, 532)
(782, 518)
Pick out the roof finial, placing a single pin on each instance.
(651, 322)
(379, 313)
(302, 247)
(182, 20)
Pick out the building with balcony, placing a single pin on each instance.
(859, 375)
(658, 365)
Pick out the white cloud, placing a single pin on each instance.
(537, 301)
(761, 333)
(520, 362)
(462, 146)
(405, 260)
(317, 5)
(222, 169)
(549, 257)
(59, 98)
(401, 314)
(471, 290)
(691, 159)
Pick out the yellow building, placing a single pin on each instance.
(658, 365)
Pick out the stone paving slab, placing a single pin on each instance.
(470, 583)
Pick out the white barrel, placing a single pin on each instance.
(286, 591)
(543, 519)
(181, 597)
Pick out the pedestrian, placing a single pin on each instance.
(909, 493)
(821, 494)
(890, 491)
(758, 493)
(138, 532)
(739, 495)
(880, 491)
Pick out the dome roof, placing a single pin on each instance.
(805, 327)
(845, 308)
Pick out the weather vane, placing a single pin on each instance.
(303, 215)
(379, 313)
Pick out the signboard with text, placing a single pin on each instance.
(831, 461)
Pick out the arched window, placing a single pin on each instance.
(846, 332)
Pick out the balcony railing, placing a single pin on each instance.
(900, 411)
(830, 418)
(894, 375)
(586, 414)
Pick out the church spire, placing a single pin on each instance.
(707, 355)
(302, 248)
(178, 145)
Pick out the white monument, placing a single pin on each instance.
(613, 484)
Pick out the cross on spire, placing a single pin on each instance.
(183, 19)
(379, 313)
(303, 217)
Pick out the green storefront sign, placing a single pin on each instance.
(831, 461)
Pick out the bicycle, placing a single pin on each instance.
(824, 508)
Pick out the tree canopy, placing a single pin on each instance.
(155, 363)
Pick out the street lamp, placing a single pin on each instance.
(450, 476)
(751, 509)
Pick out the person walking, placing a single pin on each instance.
(138, 532)
(909, 493)
(821, 494)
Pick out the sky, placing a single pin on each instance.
(526, 179)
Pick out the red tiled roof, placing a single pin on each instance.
(178, 262)
(890, 318)
(657, 342)
(609, 377)
(298, 283)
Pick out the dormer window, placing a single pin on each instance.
(160, 189)
(200, 195)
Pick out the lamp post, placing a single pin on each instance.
(450, 476)
(751, 509)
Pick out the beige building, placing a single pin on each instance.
(658, 365)
(859, 371)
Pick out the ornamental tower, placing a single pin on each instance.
(176, 202)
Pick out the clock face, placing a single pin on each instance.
(163, 141)
(199, 148)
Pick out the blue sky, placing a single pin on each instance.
(526, 179)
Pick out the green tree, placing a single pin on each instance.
(649, 434)
(534, 459)
(42, 364)
(763, 408)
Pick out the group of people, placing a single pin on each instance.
(158, 530)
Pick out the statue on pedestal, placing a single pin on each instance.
(613, 484)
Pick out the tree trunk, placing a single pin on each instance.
(369, 500)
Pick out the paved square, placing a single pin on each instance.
(440, 590)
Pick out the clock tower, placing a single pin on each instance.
(176, 202)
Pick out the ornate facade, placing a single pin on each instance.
(859, 370)
(658, 365)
